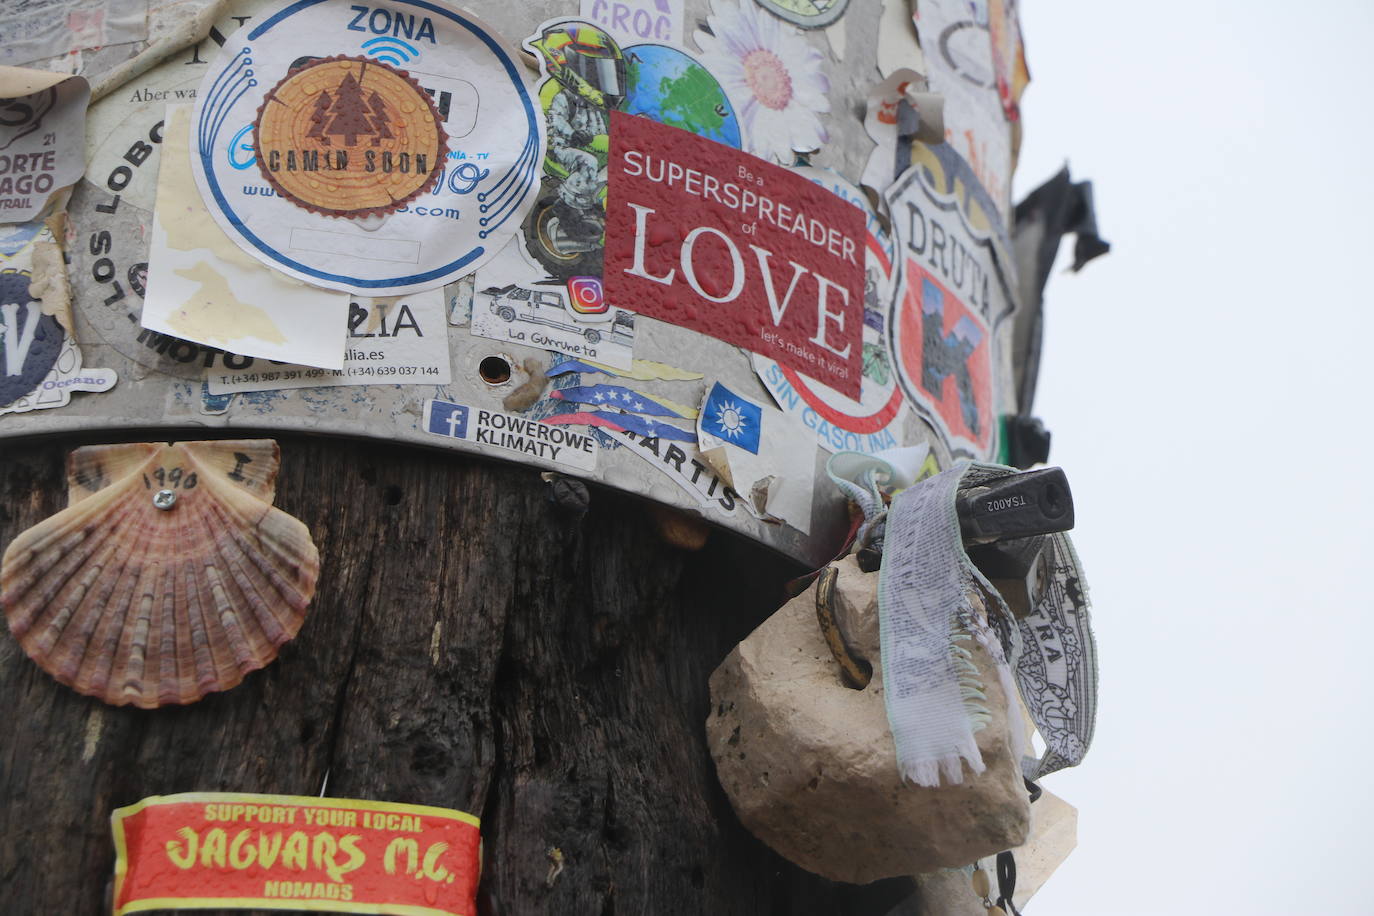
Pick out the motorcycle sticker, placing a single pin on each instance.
(378, 149)
(587, 75)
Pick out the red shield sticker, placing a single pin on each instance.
(943, 357)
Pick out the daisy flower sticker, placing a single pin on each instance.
(771, 74)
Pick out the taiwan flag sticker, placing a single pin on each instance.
(730, 417)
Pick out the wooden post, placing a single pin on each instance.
(472, 646)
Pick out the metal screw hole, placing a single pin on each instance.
(494, 370)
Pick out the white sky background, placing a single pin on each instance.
(1206, 384)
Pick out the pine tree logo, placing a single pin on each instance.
(348, 115)
(345, 135)
(320, 116)
(380, 118)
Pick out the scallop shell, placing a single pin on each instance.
(130, 603)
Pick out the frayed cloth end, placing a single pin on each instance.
(928, 772)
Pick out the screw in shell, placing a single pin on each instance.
(164, 499)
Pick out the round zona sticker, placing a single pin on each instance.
(348, 137)
(376, 149)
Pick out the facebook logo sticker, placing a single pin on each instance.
(445, 419)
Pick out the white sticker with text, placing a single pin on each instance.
(400, 340)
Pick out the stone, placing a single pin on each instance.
(1053, 835)
(810, 766)
(948, 893)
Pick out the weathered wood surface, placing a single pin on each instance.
(469, 647)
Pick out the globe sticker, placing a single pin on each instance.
(348, 137)
(377, 149)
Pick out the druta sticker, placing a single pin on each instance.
(335, 855)
(736, 248)
(380, 149)
(955, 294)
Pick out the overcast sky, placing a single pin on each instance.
(1205, 385)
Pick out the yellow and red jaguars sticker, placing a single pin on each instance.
(283, 852)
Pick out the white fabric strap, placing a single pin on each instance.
(921, 591)
(935, 698)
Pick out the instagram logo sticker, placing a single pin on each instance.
(585, 295)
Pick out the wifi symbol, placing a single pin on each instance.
(390, 50)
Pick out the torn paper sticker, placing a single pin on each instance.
(959, 65)
(201, 287)
(838, 422)
(40, 362)
(627, 399)
(111, 214)
(683, 464)
(900, 112)
(525, 437)
(619, 421)
(897, 46)
(635, 21)
(764, 454)
(395, 146)
(1008, 55)
(400, 340)
(641, 370)
(42, 138)
(506, 307)
(32, 30)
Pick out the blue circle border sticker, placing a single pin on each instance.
(354, 135)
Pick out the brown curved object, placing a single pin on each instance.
(135, 604)
(856, 672)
